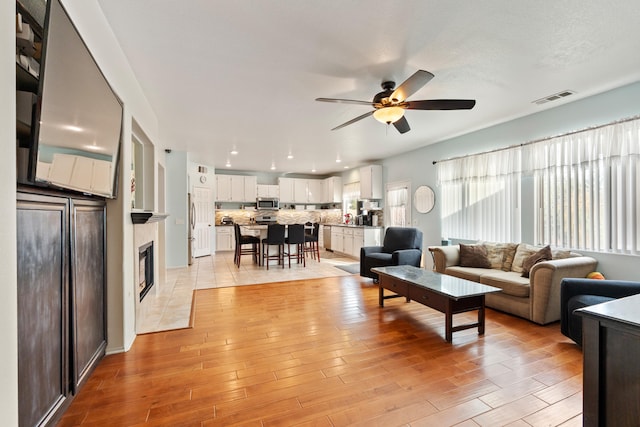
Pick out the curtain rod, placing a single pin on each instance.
(573, 132)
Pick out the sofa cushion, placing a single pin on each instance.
(510, 282)
(469, 273)
(474, 256)
(543, 254)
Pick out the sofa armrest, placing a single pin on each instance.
(407, 257)
(445, 256)
(545, 278)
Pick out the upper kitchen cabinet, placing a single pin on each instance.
(265, 190)
(332, 189)
(315, 190)
(300, 191)
(250, 188)
(286, 190)
(371, 182)
(236, 188)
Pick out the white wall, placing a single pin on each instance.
(599, 109)
(177, 169)
(8, 278)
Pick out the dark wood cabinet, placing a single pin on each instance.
(61, 300)
(611, 346)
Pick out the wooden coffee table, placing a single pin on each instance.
(447, 294)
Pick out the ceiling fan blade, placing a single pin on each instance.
(411, 85)
(346, 101)
(440, 104)
(402, 125)
(365, 115)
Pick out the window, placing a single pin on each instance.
(398, 204)
(350, 196)
(480, 196)
(587, 189)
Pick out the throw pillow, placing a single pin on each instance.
(560, 254)
(543, 254)
(500, 254)
(523, 252)
(495, 254)
(474, 256)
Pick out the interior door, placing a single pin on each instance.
(202, 205)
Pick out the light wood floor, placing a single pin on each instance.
(322, 353)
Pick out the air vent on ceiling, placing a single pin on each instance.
(554, 97)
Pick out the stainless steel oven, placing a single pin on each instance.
(267, 203)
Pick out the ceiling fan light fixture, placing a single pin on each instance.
(388, 115)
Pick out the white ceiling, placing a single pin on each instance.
(222, 74)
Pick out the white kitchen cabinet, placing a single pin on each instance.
(347, 241)
(223, 188)
(300, 190)
(315, 190)
(332, 190)
(265, 190)
(250, 188)
(236, 188)
(371, 182)
(336, 239)
(358, 241)
(225, 238)
(286, 190)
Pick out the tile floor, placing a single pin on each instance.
(170, 306)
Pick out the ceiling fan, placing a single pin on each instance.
(389, 105)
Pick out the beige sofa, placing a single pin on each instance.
(536, 298)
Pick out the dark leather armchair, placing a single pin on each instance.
(579, 293)
(401, 246)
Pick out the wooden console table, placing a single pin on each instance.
(611, 347)
(447, 294)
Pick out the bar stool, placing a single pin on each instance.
(245, 240)
(311, 244)
(295, 236)
(275, 237)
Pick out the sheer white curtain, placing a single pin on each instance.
(398, 204)
(480, 196)
(587, 188)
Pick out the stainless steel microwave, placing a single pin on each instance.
(267, 203)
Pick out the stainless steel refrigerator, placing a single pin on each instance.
(192, 226)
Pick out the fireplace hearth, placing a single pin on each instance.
(145, 269)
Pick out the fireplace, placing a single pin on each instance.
(145, 269)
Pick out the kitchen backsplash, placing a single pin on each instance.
(284, 216)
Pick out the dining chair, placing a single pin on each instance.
(311, 244)
(242, 240)
(275, 237)
(296, 237)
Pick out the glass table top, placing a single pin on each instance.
(449, 286)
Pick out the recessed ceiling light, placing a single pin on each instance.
(338, 160)
(290, 156)
(346, 167)
(273, 166)
(228, 164)
(313, 170)
(234, 152)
